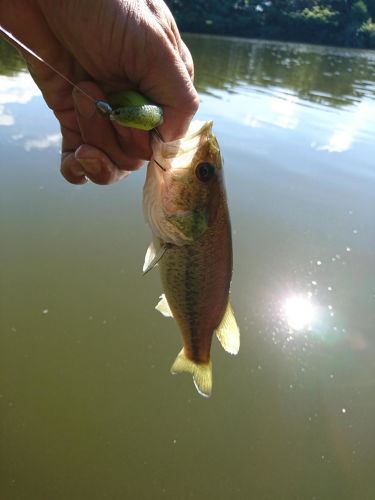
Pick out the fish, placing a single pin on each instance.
(185, 205)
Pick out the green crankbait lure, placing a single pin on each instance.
(129, 108)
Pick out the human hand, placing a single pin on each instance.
(105, 46)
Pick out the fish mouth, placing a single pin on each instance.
(182, 151)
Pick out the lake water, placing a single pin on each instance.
(88, 409)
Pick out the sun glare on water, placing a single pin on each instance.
(299, 312)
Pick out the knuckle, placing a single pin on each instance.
(192, 102)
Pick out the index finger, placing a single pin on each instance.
(169, 84)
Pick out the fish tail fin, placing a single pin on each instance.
(201, 372)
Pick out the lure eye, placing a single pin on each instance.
(205, 171)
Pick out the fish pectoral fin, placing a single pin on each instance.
(201, 372)
(153, 256)
(163, 307)
(190, 223)
(228, 332)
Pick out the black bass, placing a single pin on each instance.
(184, 203)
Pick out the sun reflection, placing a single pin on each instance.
(299, 312)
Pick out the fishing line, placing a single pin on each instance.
(160, 166)
(9, 35)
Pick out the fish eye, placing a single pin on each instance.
(205, 171)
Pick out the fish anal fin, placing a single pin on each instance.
(153, 256)
(228, 332)
(202, 373)
(163, 307)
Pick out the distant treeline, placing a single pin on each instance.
(333, 22)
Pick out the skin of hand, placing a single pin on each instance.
(105, 46)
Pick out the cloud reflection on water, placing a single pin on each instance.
(279, 110)
(349, 126)
(17, 89)
(340, 131)
(5, 119)
(51, 140)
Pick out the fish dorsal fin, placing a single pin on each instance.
(228, 332)
(153, 256)
(163, 307)
(202, 372)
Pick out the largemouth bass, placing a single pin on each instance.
(185, 205)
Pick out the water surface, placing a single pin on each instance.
(88, 409)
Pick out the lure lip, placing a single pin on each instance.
(104, 108)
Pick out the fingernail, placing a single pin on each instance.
(92, 167)
(85, 107)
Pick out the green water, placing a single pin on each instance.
(88, 409)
